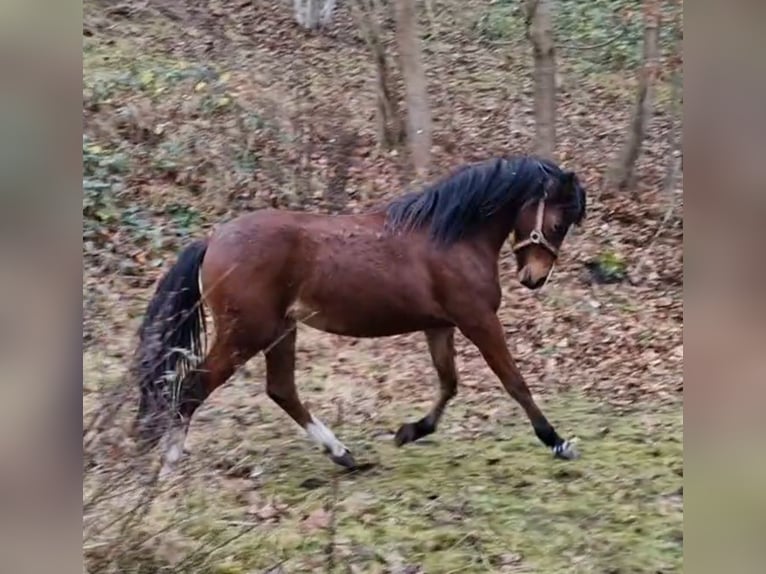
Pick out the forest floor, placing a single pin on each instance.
(197, 111)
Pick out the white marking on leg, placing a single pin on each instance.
(566, 450)
(173, 448)
(325, 437)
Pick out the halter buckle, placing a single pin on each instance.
(536, 237)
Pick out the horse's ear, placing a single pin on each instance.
(571, 184)
(565, 183)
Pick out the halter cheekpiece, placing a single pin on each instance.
(537, 236)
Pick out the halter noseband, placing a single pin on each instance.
(537, 237)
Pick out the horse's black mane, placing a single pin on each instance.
(458, 204)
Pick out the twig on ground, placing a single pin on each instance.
(331, 527)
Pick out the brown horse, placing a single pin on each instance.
(427, 261)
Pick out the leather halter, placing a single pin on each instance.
(537, 237)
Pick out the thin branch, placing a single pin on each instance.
(530, 7)
(529, 12)
(200, 556)
(586, 47)
(332, 528)
(565, 46)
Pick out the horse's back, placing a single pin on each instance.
(340, 273)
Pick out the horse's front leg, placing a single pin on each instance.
(485, 331)
(441, 346)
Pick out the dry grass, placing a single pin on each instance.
(480, 495)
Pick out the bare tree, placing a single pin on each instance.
(539, 26)
(390, 128)
(624, 171)
(418, 110)
(676, 102)
(335, 195)
(309, 14)
(326, 15)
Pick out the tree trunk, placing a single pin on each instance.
(676, 103)
(335, 196)
(326, 15)
(418, 110)
(309, 14)
(390, 129)
(624, 170)
(540, 33)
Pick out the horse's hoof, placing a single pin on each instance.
(345, 460)
(565, 451)
(408, 432)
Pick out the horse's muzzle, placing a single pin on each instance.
(533, 283)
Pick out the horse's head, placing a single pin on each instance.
(542, 224)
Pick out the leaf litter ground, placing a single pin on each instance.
(209, 121)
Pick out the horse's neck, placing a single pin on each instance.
(495, 233)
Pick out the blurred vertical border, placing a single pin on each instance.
(725, 366)
(40, 167)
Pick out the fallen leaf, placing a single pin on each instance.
(268, 511)
(317, 520)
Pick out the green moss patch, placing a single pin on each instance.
(497, 502)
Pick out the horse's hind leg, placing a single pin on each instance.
(441, 346)
(280, 386)
(224, 357)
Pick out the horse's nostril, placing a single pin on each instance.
(532, 284)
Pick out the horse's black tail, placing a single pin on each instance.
(171, 340)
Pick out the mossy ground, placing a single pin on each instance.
(494, 502)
